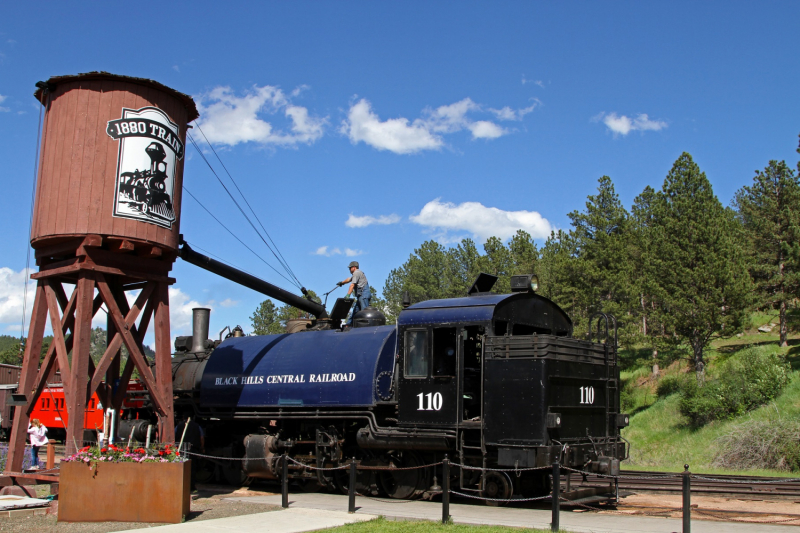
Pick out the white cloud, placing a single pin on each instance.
(483, 129)
(229, 119)
(395, 134)
(327, 251)
(506, 113)
(481, 221)
(176, 68)
(362, 222)
(180, 311)
(12, 288)
(402, 136)
(622, 125)
(227, 302)
(3, 109)
(525, 81)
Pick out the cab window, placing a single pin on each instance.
(417, 353)
(444, 351)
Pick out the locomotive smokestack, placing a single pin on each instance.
(200, 320)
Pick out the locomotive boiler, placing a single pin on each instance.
(495, 381)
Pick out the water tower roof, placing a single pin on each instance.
(188, 102)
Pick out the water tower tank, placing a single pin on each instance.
(111, 162)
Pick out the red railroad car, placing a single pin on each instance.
(51, 410)
(51, 407)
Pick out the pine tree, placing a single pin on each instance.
(601, 272)
(265, 319)
(769, 210)
(652, 331)
(698, 270)
(524, 254)
(554, 269)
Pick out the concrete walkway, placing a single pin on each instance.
(508, 516)
(309, 512)
(293, 520)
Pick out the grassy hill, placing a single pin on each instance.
(663, 439)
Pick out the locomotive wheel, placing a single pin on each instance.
(405, 484)
(365, 482)
(204, 471)
(497, 485)
(234, 475)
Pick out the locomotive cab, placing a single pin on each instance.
(504, 372)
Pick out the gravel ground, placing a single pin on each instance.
(208, 503)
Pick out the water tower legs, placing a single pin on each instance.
(71, 321)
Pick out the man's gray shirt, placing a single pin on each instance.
(359, 279)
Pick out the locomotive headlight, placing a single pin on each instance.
(524, 283)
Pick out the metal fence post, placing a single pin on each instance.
(687, 500)
(554, 524)
(445, 489)
(285, 482)
(351, 490)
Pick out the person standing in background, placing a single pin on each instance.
(38, 433)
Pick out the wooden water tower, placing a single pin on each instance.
(106, 222)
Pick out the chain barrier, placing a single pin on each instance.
(506, 500)
(204, 456)
(484, 469)
(324, 469)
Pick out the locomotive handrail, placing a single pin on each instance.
(605, 316)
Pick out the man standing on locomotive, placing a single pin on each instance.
(360, 289)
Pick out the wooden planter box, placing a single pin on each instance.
(124, 492)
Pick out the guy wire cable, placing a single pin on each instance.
(30, 225)
(284, 262)
(236, 237)
(299, 285)
(280, 259)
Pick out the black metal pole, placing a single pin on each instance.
(554, 524)
(445, 490)
(687, 500)
(285, 484)
(351, 490)
(243, 278)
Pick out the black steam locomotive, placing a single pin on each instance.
(496, 381)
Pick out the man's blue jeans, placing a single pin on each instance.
(362, 302)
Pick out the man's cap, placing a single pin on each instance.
(353, 264)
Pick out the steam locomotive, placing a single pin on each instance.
(495, 381)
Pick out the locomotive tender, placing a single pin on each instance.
(495, 381)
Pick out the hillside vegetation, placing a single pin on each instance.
(732, 433)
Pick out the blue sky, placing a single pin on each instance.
(365, 128)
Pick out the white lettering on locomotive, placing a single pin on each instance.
(285, 379)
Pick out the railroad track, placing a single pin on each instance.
(746, 487)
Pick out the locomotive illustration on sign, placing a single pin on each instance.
(496, 381)
(149, 148)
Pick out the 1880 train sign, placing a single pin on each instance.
(149, 149)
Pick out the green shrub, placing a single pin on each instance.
(751, 379)
(669, 385)
(760, 444)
